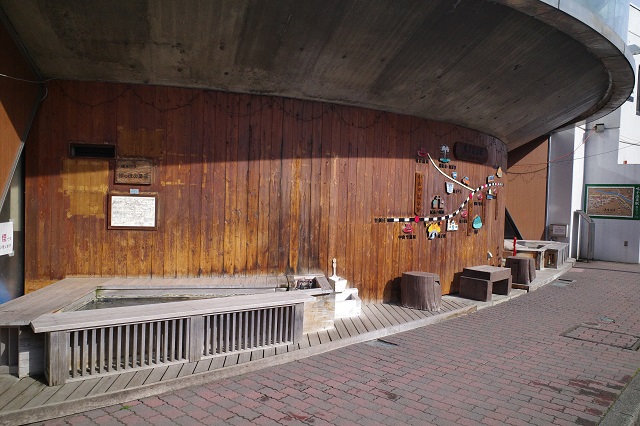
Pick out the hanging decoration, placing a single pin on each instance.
(499, 172)
(444, 149)
(452, 225)
(477, 222)
(490, 178)
(407, 229)
(438, 218)
(448, 187)
(465, 180)
(433, 230)
(454, 175)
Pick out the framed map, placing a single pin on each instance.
(612, 201)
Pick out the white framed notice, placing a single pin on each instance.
(6, 238)
(133, 211)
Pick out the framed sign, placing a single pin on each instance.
(134, 171)
(129, 211)
(612, 201)
(469, 152)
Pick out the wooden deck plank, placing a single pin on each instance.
(122, 381)
(84, 388)
(64, 392)
(23, 398)
(387, 319)
(314, 339)
(367, 321)
(244, 357)
(257, 354)
(354, 331)
(217, 362)
(333, 334)
(406, 315)
(394, 313)
(304, 342)
(139, 378)
(6, 381)
(15, 390)
(42, 397)
(203, 365)
(341, 328)
(323, 335)
(172, 372)
(187, 369)
(156, 375)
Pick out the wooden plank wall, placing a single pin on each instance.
(527, 189)
(246, 185)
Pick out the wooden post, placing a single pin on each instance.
(298, 322)
(56, 362)
(196, 338)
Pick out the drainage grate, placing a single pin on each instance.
(380, 343)
(560, 282)
(604, 337)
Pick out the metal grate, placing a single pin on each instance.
(604, 337)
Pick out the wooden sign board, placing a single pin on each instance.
(417, 197)
(134, 171)
(468, 152)
(133, 211)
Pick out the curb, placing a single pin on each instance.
(626, 410)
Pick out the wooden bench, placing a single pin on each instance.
(523, 269)
(421, 290)
(84, 344)
(480, 282)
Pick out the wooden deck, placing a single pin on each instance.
(30, 399)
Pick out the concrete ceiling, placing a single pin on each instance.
(515, 69)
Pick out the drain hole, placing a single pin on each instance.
(380, 343)
(563, 280)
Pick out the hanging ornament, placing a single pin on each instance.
(480, 196)
(449, 187)
(464, 214)
(490, 178)
(465, 180)
(444, 149)
(452, 225)
(499, 172)
(433, 230)
(408, 229)
(477, 222)
(454, 175)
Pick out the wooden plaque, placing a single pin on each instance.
(134, 171)
(417, 197)
(128, 211)
(469, 152)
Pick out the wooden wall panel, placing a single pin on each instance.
(248, 185)
(527, 189)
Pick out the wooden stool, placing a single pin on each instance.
(523, 269)
(421, 290)
(480, 282)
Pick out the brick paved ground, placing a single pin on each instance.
(517, 363)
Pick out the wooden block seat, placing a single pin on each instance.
(480, 282)
(421, 290)
(523, 269)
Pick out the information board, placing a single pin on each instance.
(133, 211)
(613, 201)
(6, 238)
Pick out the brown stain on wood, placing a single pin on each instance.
(247, 185)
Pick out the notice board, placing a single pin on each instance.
(133, 211)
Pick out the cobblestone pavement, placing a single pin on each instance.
(559, 355)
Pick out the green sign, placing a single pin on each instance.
(612, 201)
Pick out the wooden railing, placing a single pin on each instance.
(101, 342)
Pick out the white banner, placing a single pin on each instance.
(6, 238)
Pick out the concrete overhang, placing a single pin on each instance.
(514, 69)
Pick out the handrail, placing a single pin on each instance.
(591, 232)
